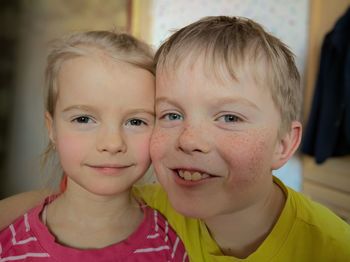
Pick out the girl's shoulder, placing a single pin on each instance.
(19, 237)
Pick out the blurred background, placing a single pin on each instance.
(28, 26)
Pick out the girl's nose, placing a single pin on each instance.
(112, 141)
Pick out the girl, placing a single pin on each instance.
(99, 116)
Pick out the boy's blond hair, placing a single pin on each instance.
(119, 46)
(233, 43)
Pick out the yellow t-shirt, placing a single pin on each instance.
(305, 231)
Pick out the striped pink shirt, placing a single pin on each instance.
(28, 239)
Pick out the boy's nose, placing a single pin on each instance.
(193, 140)
(111, 141)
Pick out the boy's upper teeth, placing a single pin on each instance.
(192, 175)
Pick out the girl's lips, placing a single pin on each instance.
(109, 169)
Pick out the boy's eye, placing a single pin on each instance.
(172, 117)
(229, 118)
(136, 122)
(82, 119)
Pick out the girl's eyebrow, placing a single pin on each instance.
(78, 107)
(141, 110)
(166, 100)
(90, 109)
(239, 100)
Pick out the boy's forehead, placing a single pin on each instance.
(206, 67)
(194, 65)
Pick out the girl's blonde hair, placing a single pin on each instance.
(119, 46)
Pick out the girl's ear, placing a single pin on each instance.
(49, 127)
(287, 145)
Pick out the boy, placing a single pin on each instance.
(227, 105)
(228, 102)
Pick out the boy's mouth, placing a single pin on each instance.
(191, 175)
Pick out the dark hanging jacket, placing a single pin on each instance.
(328, 129)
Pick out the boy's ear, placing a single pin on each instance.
(287, 145)
(49, 126)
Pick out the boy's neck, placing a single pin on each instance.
(83, 220)
(240, 234)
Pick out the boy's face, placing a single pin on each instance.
(103, 123)
(215, 140)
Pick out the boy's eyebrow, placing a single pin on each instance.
(228, 100)
(220, 101)
(166, 100)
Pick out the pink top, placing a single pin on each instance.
(28, 239)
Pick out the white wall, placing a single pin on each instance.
(286, 19)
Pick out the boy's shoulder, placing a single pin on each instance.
(316, 227)
(318, 216)
(305, 229)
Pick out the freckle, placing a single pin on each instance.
(158, 139)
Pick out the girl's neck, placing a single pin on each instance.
(82, 219)
(240, 234)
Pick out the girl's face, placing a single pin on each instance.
(102, 123)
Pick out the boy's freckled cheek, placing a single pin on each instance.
(245, 154)
(159, 141)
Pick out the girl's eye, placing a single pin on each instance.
(136, 122)
(229, 118)
(82, 120)
(172, 117)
